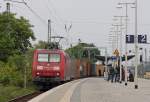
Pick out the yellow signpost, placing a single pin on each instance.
(116, 52)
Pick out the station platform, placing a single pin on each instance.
(97, 90)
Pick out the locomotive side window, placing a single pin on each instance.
(43, 57)
(54, 58)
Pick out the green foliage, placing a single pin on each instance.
(2, 64)
(15, 35)
(29, 60)
(5, 75)
(15, 55)
(10, 92)
(45, 45)
(41, 45)
(12, 76)
(79, 51)
(17, 79)
(17, 62)
(13, 71)
(76, 51)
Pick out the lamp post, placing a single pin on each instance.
(136, 47)
(117, 32)
(112, 41)
(126, 53)
(115, 38)
(121, 17)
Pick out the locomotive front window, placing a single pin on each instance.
(43, 57)
(54, 58)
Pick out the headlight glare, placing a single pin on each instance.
(56, 68)
(39, 67)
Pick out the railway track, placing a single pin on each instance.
(25, 98)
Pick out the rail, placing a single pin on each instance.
(26, 97)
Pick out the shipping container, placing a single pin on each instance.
(77, 68)
(100, 70)
(93, 70)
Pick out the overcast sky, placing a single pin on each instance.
(91, 19)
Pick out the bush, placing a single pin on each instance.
(10, 92)
(5, 80)
(5, 74)
(17, 62)
(17, 79)
(12, 72)
(2, 64)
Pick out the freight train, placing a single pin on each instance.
(52, 66)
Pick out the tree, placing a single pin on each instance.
(15, 35)
(79, 51)
(41, 45)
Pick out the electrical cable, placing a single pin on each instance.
(51, 15)
(57, 16)
(43, 21)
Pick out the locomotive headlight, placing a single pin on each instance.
(38, 73)
(39, 67)
(57, 74)
(56, 68)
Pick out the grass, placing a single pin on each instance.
(10, 92)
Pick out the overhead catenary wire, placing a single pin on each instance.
(57, 16)
(54, 16)
(36, 14)
(51, 16)
(99, 22)
(25, 3)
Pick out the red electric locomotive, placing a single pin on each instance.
(50, 66)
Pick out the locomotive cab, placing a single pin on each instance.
(50, 66)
